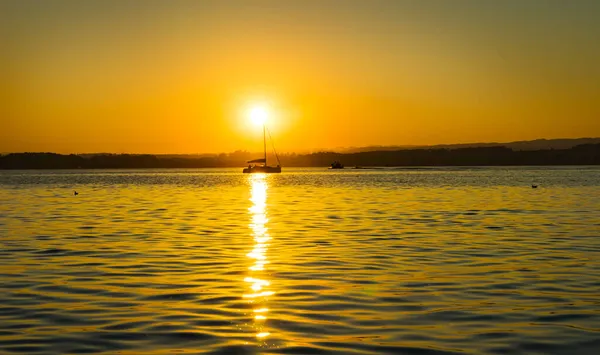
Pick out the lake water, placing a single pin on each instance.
(407, 261)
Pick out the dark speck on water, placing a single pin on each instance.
(310, 261)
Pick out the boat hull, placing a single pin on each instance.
(262, 170)
(336, 165)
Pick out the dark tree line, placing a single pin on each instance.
(586, 154)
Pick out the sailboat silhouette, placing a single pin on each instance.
(264, 168)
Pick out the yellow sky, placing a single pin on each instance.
(178, 76)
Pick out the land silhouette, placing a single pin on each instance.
(582, 154)
(536, 144)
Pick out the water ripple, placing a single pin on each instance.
(430, 261)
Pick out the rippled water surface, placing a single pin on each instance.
(408, 261)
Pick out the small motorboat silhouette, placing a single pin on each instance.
(336, 165)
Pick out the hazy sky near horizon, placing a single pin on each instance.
(179, 76)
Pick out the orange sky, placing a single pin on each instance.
(178, 76)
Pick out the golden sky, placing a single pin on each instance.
(179, 76)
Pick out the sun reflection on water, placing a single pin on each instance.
(258, 292)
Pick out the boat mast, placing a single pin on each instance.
(265, 144)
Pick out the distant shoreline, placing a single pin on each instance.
(584, 154)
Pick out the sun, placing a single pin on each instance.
(258, 115)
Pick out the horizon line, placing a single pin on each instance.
(339, 150)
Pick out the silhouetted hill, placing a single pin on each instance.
(585, 154)
(537, 144)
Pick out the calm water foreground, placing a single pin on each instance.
(413, 261)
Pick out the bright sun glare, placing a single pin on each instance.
(259, 115)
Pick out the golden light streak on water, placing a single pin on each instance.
(258, 255)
